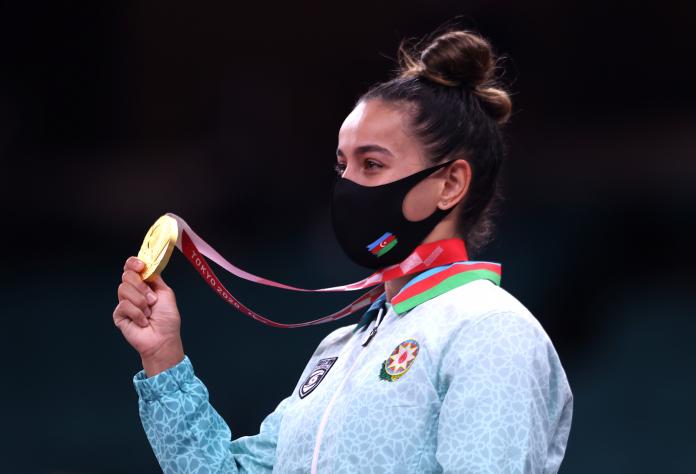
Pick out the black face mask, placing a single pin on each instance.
(369, 223)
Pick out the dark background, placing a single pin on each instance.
(113, 113)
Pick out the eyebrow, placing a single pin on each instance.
(366, 149)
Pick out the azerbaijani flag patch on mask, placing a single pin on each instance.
(383, 245)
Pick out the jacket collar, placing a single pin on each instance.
(431, 283)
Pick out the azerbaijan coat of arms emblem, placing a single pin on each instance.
(399, 361)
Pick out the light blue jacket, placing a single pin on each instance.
(465, 381)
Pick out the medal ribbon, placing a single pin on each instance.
(425, 256)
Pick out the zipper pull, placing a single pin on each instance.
(370, 336)
(374, 329)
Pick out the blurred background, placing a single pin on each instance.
(113, 113)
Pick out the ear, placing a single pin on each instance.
(457, 176)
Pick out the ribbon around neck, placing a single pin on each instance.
(425, 256)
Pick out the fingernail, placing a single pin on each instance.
(151, 297)
(148, 312)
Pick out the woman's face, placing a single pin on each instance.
(375, 147)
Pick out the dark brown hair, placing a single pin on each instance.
(456, 107)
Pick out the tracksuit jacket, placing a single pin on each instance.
(452, 375)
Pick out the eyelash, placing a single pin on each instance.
(340, 168)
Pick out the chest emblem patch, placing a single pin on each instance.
(316, 376)
(399, 361)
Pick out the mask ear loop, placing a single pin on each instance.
(445, 164)
(427, 172)
(432, 169)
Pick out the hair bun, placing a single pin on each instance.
(461, 59)
(458, 58)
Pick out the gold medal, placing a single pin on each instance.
(158, 246)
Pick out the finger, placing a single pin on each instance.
(129, 276)
(126, 310)
(134, 278)
(135, 264)
(126, 291)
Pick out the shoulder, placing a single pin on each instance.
(494, 333)
(478, 299)
(476, 305)
(481, 319)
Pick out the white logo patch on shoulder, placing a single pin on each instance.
(316, 376)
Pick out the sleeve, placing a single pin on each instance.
(507, 403)
(188, 436)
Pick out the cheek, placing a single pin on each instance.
(420, 201)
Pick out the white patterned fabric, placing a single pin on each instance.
(478, 389)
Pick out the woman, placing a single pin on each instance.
(446, 371)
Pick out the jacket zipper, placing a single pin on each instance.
(327, 410)
(380, 316)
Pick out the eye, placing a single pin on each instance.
(369, 164)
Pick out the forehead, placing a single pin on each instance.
(374, 122)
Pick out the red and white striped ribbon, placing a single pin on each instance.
(425, 256)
